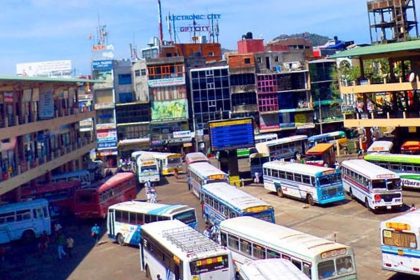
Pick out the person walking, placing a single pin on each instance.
(61, 241)
(70, 245)
(257, 178)
(95, 232)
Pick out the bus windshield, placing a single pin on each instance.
(175, 160)
(329, 179)
(209, 264)
(187, 217)
(386, 184)
(330, 268)
(149, 168)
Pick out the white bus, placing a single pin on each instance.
(313, 184)
(259, 138)
(202, 173)
(147, 169)
(125, 219)
(24, 220)
(284, 148)
(380, 147)
(195, 157)
(376, 186)
(250, 239)
(270, 269)
(400, 243)
(169, 163)
(175, 251)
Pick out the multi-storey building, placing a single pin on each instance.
(39, 128)
(169, 128)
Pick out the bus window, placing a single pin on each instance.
(399, 239)
(344, 265)
(233, 242)
(258, 252)
(378, 184)
(307, 269)
(23, 215)
(7, 217)
(133, 218)
(326, 269)
(246, 247)
(272, 254)
(297, 263)
(223, 239)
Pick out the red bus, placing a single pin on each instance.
(93, 202)
(411, 147)
(321, 154)
(60, 195)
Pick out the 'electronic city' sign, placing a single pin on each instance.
(195, 17)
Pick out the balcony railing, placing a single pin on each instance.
(371, 86)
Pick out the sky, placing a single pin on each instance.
(43, 30)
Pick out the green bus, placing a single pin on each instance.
(407, 166)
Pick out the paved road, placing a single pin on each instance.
(348, 223)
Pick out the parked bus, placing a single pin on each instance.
(195, 157)
(406, 166)
(24, 220)
(84, 176)
(313, 184)
(283, 148)
(411, 147)
(400, 243)
(174, 250)
(270, 269)
(256, 161)
(202, 173)
(376, 186)
(321, 155)
(147, 169)
(222, 201)
(380, 146)
(249, 238)
(125, 219)
(244, 153)
(338, 137)
(60, 196)
(168, 162)
(93, 202)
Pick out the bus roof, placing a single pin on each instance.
(51, 187)
(319, 148)
(205, 169)
(157, 155)
(294, 167)
(411, 218)
(110, 182)
(368, 169)
(149, 208)
(234, 197)
(263, 146)
(265, 136)
(393, 158)
(263, 232)
(7, 207)
(272, 269)
(328, 134)
(380, 146)
(182, 240)
(196, 157)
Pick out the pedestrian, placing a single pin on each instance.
(43, 243)
(61, 241)
(257, 178)
(95, 232)
(153, 195)
(70, 245)
(57, 230)
(337, 165)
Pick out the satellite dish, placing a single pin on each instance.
(412, 77)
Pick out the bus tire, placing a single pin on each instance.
(280, 192)
(147, 272)
(120, 239)
(367, 205)
(310, 200)
(28, 236)
(351, 193)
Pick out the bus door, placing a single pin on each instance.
(111, 224)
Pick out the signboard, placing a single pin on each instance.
(231, 134)
(46, 104)
(182, 134)
(167, 82)
(169, 110)
(195, 17)
(53, 68)
(102, 52)
(8, 97)
(106, 139)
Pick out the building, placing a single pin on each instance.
(290, 44)
(211, 52)
(39, 129)
(326, 95)
(250, 45)
(384, 100)
(169, 127)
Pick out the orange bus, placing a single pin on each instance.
(411, 147)
(320, 155)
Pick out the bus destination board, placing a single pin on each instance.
(231, 134)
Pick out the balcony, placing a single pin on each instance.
(26, 171)
(394, 119)
(366, 86)
(17, 126)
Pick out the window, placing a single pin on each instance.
(289, 176)
(246, 247)
(344, 265)
(297, 263)
(223, 239)
(23, 215)
(326, 269)
(233, 242)
(133, 218)
(124, 79)
(258, 251)
(306, 179)
(137, 73)
(247, 60)
(272, 254)
(282, 175)
(399, 239)
(143, 72)
(7, 217)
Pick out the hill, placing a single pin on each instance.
(316, 39)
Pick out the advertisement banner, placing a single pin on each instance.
(182, 134)
(54, 68)
(102, 70)
(46, 104)
(166, 82)
(169, 110)
(106, 139)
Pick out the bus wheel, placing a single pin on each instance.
(310, 200)
(280, 192)
(147, 272)
(351, 193)
(28, 236)
(367, 205)
(120, 239)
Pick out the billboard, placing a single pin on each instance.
(53, 68)
(102, 52)
(169, 110)
(102, 70)
(107, 139)
(166, 82)
(231, 134)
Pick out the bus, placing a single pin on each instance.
(24, 220)
(249, 238)
(411, 147)
(310, 183)
(222, 201)
(321, 155)
(406, 166)
(84, 176)
(60, 196)
(195, 157)
(168, 162)
(174, 250)
(283, 148)
(380, 146)
(125, 219)
(244, 153)
(202, 173)
(376, 186)
(270, 269)
(147, 169)
(336, 137)
(93, 202)
(400, 243)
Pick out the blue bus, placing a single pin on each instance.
(125, 219)
(222, 201)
